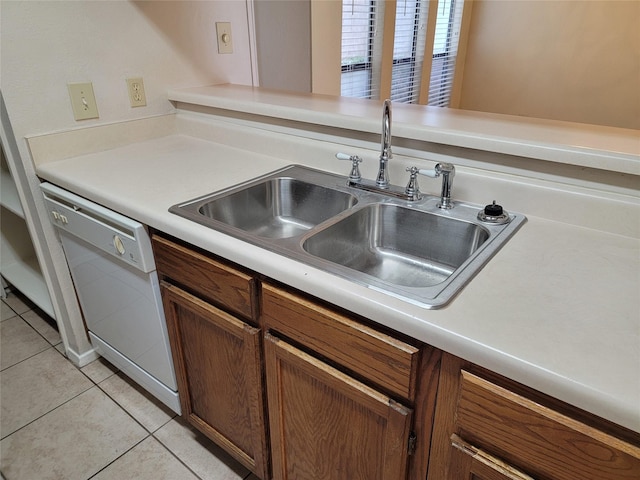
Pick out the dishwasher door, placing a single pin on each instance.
(111, 264)
(122, 306)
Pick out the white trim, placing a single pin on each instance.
(145, 380)
(253, 48)
(80, 360)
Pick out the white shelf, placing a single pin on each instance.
(18, 261)
(19, 264)
(9, 194)
(27, 277)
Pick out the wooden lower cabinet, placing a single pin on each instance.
(327, 426)
(217, 359)
(488, 428)
(353, 405)
(349, 400)
(346, 399)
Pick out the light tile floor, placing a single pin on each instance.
(64, 423)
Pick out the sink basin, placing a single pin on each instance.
(414, 251)
(280, 207)
(398, 245)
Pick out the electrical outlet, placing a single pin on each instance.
(83, 101)
(137, 96)
(225, 42)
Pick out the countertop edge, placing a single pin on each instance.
(609, 148)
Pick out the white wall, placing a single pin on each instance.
(283, 43)
(47, 44)
(563, 60)
(326, 46)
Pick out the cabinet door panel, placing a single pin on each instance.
(326, 425)
(470, 463)
(217, 360)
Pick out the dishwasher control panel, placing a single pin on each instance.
(105, 229)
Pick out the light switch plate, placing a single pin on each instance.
(83, 101)
(225, 41)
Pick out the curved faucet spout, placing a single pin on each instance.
(385, 154)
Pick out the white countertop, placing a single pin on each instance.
(565, 311)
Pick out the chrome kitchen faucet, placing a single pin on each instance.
(411, 192)
(382, 179)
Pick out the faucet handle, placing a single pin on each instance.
(448, 171)
(433, 173)
(412, 190)
(440, 168)
(354, 175)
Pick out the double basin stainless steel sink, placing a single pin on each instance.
(410, 250)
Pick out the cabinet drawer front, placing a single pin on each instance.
(215, 281)
(539, 440)
(386, 361)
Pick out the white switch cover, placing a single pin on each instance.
(225, 42)
(83, 101)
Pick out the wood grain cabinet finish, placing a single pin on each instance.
(217, 355)
(221, 284)
(478, 418)
(384, 360)
(218, 366)
(344, 394)
(327, 426)
(470, 463)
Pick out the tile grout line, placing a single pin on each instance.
(126, 411)
(94, 385)
(119, 456)
(35, 354)
(50, 345)
(54, 408)
(173, 454)
(53, 323)
(149, 435)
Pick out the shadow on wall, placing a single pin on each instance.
(575, 61)
(190, 28)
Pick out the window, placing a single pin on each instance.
(408, 50)
(445, 51)
(359, 32)
(367, 70)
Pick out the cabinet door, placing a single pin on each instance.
(326, 425)
(470, 463)
(217, 362)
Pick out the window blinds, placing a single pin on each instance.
(408, 50)
(363, 37)
(360, 47)
(445, 49)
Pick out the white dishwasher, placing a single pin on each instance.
(114, 274)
